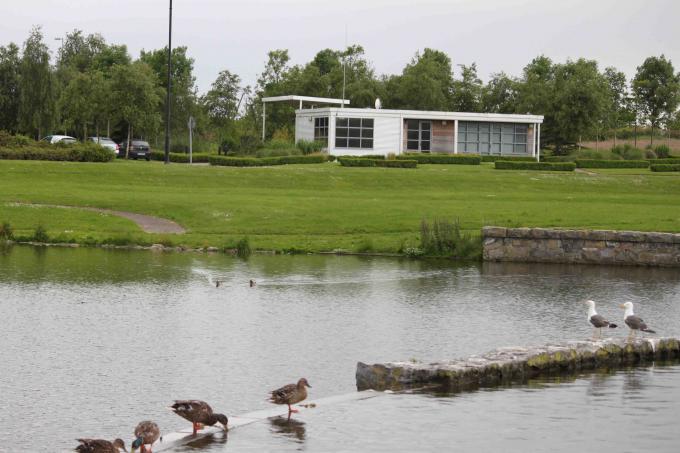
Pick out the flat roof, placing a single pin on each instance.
(427, 115)
(310, 99)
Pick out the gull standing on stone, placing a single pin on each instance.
(598, 321)
(635, 323)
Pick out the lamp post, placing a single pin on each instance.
(169, 85)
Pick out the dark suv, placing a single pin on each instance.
(138, 148)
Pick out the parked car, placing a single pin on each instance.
(106, 142)
(138, 148)
(52, 139)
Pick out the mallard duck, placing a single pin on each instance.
(199, 413)
(100, 446)
(146, 433)
(290, 394)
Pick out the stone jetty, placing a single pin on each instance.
(515, 365)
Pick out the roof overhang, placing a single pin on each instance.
(426, 115)
(293, 98)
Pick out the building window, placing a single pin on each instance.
(321, 129)
(492, 138)
(418, 135)
(354, 133)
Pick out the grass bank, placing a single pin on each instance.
(324, 207)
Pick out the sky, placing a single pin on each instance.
(499, 35)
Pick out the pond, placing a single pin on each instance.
(94, 341)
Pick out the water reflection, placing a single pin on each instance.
(289, 428)
(208, 443)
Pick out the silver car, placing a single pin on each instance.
(106, 142)
(52, 139)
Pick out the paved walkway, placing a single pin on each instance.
(149, 224)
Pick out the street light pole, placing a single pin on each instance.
(169, 86)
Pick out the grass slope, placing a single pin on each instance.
(325, 206)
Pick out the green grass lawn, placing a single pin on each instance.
(325, 207)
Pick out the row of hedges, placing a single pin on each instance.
(77, 152)
(181, 158)
(363, 162)
(665, 167)
(594, 163)
(365, 156)
(459, 159)
(508, 158)
(547, 166)
(266, 161)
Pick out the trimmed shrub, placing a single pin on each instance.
(544, 166)
(365, 156)
(401, 163)
(456, 159)
(558, 159)
(266, 161)
(310, 146)
(662, 151)
(592, 163)
(77, 152)
(628, 152)
(670, 160)
(508, 158)
(181, 158)
(354, 162)
(665, 167)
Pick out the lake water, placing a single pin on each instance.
(93, 341)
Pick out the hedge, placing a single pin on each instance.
(547, 166)
(365, 156)
(665, 167)
(401, 163)
(558, 159)
(266, 161)
(596, 163)
(508, 158)
(363, 162)
(181, 158)
(356, 162)
(668, 160)
(459, 159)
(71, 153)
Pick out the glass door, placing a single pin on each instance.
(419, 135)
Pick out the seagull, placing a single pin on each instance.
(635, 323)
(596, 320)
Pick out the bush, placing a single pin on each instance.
(444, 238)
(365, 156)
(243, 248)
(310, 146)
(627, 152)
(670, 160)
(279, 144)
(278, 152)
(595, 155)
(665, 167)
(77, 152)
(8, 140)
(544, 166)
(456, 159)
(558, 159)
(649, 154)
(508, 158)
(6, 231)
(266, 161)
(181, 158)
(662, 151)
(592, 163)
(40, 234)
(356, 162)
(401, 163)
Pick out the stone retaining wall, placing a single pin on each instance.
(543, 245)
(515, 365)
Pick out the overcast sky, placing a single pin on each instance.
(499, 35)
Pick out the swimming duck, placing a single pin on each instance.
(199, 413)
(290, 394)
(100, 446)
(146, 433)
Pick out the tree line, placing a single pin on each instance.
(96, 88)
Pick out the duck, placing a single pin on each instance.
(598, 321)
(199, 413)
(100, 446)
(290, 394)
(146, 433)
(633, 322)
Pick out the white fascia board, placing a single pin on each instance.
(293, 97)
(424, 115)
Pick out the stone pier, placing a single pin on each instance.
(542, 245)
(516, 365)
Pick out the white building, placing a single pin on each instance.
(353, 131)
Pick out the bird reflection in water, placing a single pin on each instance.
(204, 442)
(289, 427)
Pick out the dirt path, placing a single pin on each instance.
(580, 170)
(149, 224)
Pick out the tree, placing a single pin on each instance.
(78, 52)
(9, 87)
(619, 112)
(467, 92)
(275, 70)
(84, 101)
(656, 88)
(426, 83)
(136, 98)
(36, 101)
(500, 94)
(222, 100)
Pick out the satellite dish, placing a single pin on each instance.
(378, 104)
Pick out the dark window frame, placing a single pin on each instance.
(354, 133)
